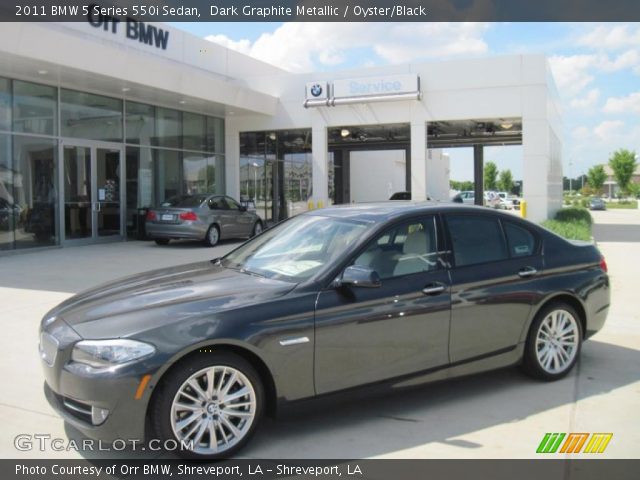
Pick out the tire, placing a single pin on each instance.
(257, 229)
(237, 430)
(549, 353)
(162, 241)
(213, 236)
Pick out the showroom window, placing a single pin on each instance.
(94, 117)
(194, 132)
(168, 128)
(5, 104)
(9, 211)
(140, 123)
(215, 134)
(34, 108)
(34, 191)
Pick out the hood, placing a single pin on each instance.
(196, 282)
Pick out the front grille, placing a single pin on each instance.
(48, 348)
(80, 410)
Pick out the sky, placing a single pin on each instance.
(596, 67)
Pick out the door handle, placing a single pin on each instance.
(527, 272)
(433, 289)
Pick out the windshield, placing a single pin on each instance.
(297, 249)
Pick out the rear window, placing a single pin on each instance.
(476, 239)
(191, 201)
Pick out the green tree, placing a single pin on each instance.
(490, 176)
(623, 164)
(505, 181)
(461, 186)
(596, 177)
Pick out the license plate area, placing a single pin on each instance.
(167, 217)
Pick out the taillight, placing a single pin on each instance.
(188, 216)
(151, 216)
(603, 265)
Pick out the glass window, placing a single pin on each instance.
(85, 115)
(476, 239)
(140, 123)
(168, 174)
(297, 249)
(190, 201)
(403, 250)
(9, 210)
(34, 108)
(193, 132)
(218, 203)
(233, 205)
(168, 128)
(5, 104)
(195, 173)
(521, 241)
(215, 134)
(34, 191)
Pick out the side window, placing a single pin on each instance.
(521, 241)
(217, 203)
(403, 250)
(476, 239)
(232, 203)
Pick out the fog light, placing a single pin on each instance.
(98, 415)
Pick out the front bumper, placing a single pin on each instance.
(74, 394)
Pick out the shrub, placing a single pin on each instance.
(574, 214)
(575, 230)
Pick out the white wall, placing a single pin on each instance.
(438, 170)
(375, 176)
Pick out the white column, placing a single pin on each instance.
(320, 161)
(418, 160)
(232, 159)
(536, 167)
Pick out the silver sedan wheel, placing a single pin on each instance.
(214, 409)
(557, 341)
(257, 230)
(214, 235)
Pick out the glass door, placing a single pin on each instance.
(92, 198)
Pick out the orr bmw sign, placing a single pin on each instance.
(363, 90)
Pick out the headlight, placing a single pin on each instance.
(110, 353)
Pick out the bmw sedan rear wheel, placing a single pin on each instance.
(212, 405)
(257, 228)
(554, 342)
(213, 236)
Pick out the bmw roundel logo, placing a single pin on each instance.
(316, 90)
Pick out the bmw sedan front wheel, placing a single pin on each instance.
(210, 406)
(554, 341)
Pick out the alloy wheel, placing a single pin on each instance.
(214, 408)
(213, 235)
(557, 341)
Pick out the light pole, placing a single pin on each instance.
(570, 179)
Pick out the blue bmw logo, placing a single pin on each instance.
(316, 90)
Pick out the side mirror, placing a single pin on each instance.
(359, 276)
(243, 208)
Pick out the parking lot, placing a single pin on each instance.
(501, 414)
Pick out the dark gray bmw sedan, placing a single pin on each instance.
(325, 301)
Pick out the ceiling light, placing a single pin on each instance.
(232, 113)
(182, 102)
(272, 135)
(125, 89)
(506, 125)
(43, 72)
(344, 132)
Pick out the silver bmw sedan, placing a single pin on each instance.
(201, 217)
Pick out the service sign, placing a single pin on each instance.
(384, 85)
(317, 91)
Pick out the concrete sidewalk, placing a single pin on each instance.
(501, 414)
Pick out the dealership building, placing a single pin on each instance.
(101, 119)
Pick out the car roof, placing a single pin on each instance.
(384, 211)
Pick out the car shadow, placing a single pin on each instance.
(195, 244)
(400, 419)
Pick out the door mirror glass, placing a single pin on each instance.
(359, 276)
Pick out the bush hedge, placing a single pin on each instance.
(574, 214)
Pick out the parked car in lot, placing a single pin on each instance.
(506, 202)
(201, 217)
(597, 203)
(328, 300)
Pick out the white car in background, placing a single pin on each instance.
(506, 203)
